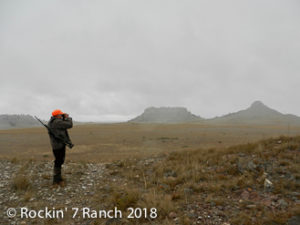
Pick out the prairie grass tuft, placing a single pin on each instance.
(21, 183)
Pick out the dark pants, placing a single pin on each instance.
(59, 155)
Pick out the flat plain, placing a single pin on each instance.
(110, 142)
(190, 173)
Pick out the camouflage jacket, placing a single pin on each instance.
(59, 128)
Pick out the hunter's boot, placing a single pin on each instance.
(57, 175)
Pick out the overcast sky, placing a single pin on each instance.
(109, 60)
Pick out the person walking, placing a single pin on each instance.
(58, 124)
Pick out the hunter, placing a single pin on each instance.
(59, 123)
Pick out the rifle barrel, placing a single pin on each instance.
(68, 143)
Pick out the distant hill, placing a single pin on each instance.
(17, 121)
(10, 121)
(257, 113)
(165, 115)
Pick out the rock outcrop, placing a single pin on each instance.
(257, 113)
(166, 115)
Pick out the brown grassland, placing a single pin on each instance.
(110, 142)
(192, 173)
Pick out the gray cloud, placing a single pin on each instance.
(108, 60)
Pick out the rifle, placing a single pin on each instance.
(66, 142)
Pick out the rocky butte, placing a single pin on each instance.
(257, 113)
(165, 115)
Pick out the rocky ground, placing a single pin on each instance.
(29, 185)
(250, 184)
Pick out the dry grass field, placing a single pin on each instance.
(110, 142)
(190, 173)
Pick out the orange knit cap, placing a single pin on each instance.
(57, 112)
